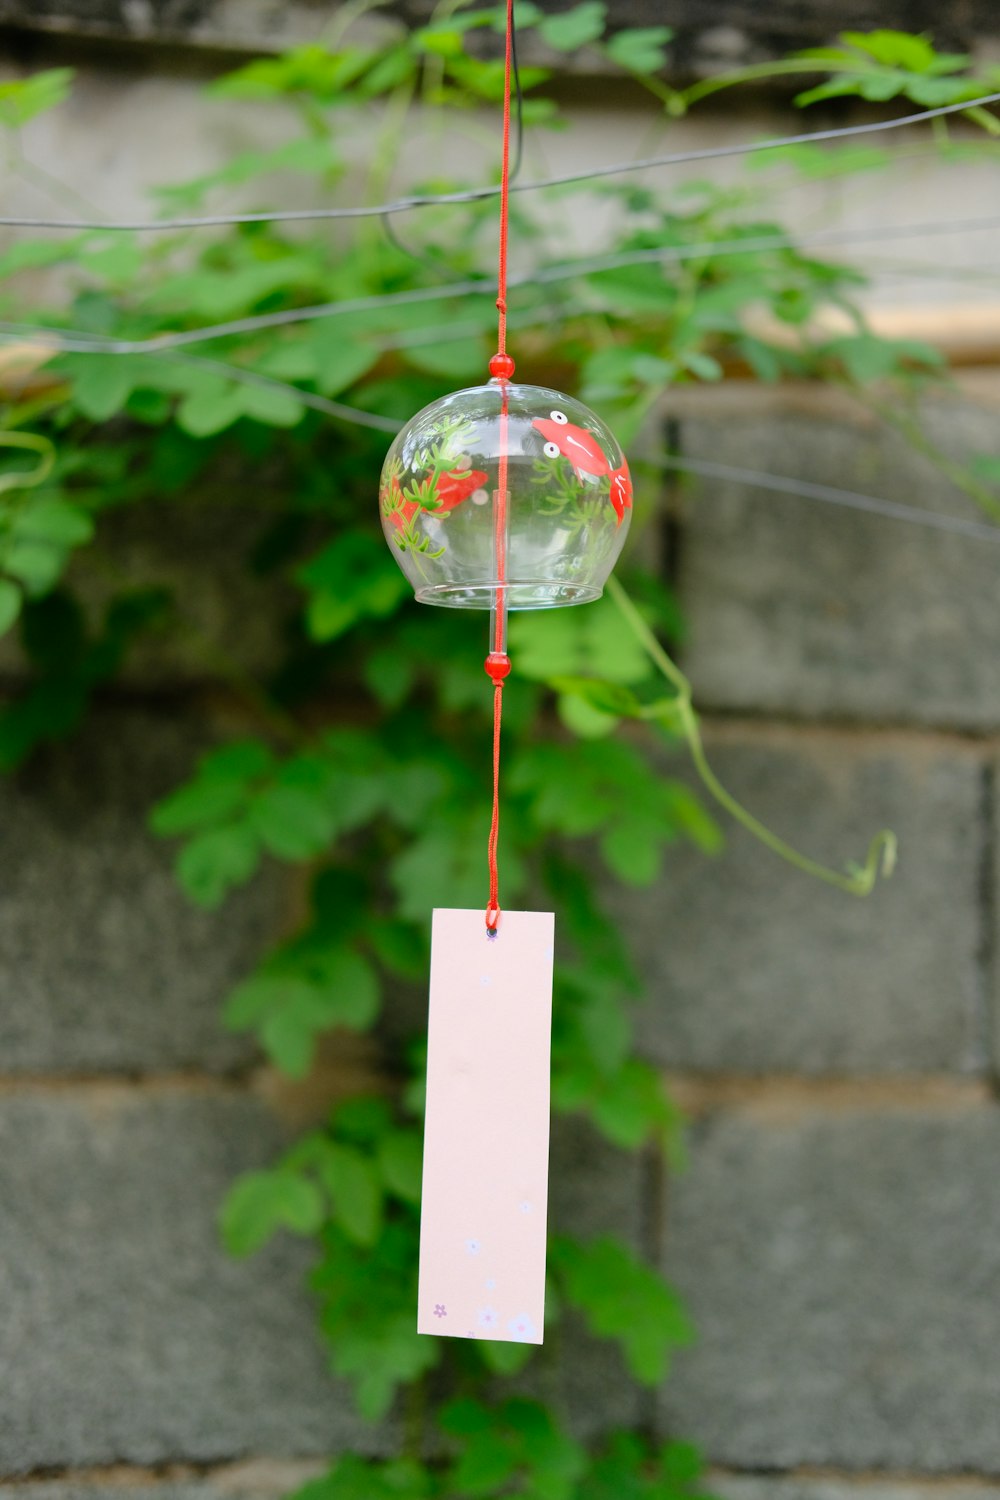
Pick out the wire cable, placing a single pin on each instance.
(703, 468)
(805, 489)
(475, 195)
(565, 271)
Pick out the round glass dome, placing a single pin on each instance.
(569, 499)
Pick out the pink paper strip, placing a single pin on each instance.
(486, 1137)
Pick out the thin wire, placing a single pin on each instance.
(805, 489)
(706, 468)
(474, 195)
(79, 341)
(162, 342)
(353, 414)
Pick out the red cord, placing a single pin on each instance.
(501, 367)
(493, 909)
(505, 187)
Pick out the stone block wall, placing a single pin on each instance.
(837, 1230)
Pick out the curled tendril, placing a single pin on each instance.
(34, 443)
(858, 880)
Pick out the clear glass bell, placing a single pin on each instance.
(569, 499)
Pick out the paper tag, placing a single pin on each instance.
(486, 1137)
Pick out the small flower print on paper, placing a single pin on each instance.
(473, 1247)
(491, 1284)
(522, 1329)
(525, 1206)
(487, 1319)
(440, 1311)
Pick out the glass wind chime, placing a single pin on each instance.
(499, 497)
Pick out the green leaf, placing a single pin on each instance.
(35, 565)
(340, 359)
(368, 1296)
(867, 358)
(622, 1299)
(29, 255)
(290, 1009)
(218, 791)
(488, 1461)
(288, 1031)
(310, 70)
(356, 1478)
(353, 578)
(389, 676)
(213, 408)
(268, 404)
(438, 40)
(592, 641)
(681, 1463)
(116, 258)
(702, 365)
(352, 1182)
(310, 155)
(292, 822)
(23, 99)
(400, 1160)
(640, 49)
(573, 28)
(987, 466)
(584, 718)
(631, 1106)
(56, 523)
(216, 860)
(458, 359)
(902, 49)
(364, 1119)
(10, 604)
(101, 383)
(393, 68)
(40, 537)
(631, 850)
(199, 803)
(504, 1358)
(260, 1203)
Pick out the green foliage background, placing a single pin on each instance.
(382, 799)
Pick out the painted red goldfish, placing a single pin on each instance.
(451, 489)
(586, 455)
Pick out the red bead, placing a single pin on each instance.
(497, 665)
(501, 367)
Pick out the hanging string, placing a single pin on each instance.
(501, 369)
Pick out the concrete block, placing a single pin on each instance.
(594, 1190)
(202, 554)
(250, 1481)
(128, 1334)
(841, 1268)
(739, 1487)
(991, 895)
(753, 966)
(800, 608)
(104, 964)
